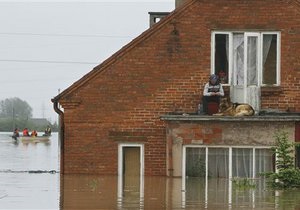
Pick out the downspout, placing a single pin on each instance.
(62, 140)
(61, 134)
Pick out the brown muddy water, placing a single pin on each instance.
(30, 179)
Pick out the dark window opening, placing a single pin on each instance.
(221, 57)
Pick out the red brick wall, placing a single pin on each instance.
(166, 73)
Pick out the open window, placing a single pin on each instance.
(221, 56)
(270, 59)
(246, 61)
(253, 54)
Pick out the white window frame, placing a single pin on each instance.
(229, 157)
(120, 157)
(278, 57)
(230, 56)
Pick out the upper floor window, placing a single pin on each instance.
(251, 58)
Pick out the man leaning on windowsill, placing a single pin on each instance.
(212, 92)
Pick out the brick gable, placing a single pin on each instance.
(163, 71)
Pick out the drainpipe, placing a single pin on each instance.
(61, 133)
(62, 140)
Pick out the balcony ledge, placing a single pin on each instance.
(288, 117)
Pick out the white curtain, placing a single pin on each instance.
(252, 61)
(263, 161)
(242, 162)
(238, 58)
(218, 162)
(267, 39)
(253, 97)
(227, 55)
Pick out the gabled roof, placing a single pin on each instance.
(131, 45)
(105, 64)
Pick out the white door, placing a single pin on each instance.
(246, 88)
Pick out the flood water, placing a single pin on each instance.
(29, 174)
(30, 179)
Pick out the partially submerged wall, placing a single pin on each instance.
(221, 131)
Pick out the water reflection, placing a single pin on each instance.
(29, 174)
(130, 191)
(29, 191)
(22, 189)
(20, 156)
(110, 192)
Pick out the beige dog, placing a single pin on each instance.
(227, 108)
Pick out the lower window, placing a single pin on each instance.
(224, 162)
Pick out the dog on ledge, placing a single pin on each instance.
(227, 108)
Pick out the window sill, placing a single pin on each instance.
(265, 90)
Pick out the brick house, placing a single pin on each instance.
(126, 115)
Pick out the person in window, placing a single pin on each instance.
(212, 92)
(222, 76)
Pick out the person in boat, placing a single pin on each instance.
(15, 134)
(25, 132)
(34, 133)
(47, 131)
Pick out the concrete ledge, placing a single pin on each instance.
(194, 117)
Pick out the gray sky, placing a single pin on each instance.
(47, 46)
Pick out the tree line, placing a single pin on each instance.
(17, 113)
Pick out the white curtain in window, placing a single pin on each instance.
(242, 162)
(267, 39)
(238, 58)
(263, 161)
(253, 89)
(252, 61)
(227, 55)
(218, 162)
(253, 97)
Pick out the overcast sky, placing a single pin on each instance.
(47, 46)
